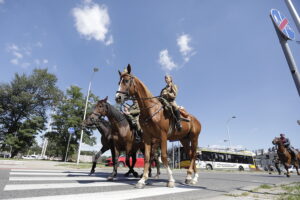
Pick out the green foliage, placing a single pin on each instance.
(23, 105)
(69, 113)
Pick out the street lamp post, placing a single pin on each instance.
(227, 125)
(86, 103)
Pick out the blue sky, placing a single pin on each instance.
(223, 55)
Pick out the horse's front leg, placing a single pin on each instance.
(96, 158)
(164, 157)
(115, 157)
(141, 182)
(287, 166)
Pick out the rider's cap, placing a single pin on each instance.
(282, 134)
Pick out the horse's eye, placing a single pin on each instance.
(126, 81)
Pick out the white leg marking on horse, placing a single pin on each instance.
(171, 179)
(195, 179)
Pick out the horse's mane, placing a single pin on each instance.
(144, 88)
(119, 116)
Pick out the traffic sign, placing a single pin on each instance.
(282, 24)
(71, 130)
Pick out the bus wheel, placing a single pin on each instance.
(121, 164)
(209, 167)
(241, 168)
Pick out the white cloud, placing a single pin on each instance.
(183, 42)
(166, 61)
(17, 54)
(92, 21)
(21, 55)
(109, 41)
(14, 61)
(39, 44)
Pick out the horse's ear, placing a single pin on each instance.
(105, 99)
(119, 72)
(128, 68)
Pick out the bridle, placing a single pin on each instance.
(129, 97)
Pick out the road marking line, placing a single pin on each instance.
(60, 185)
(117, 195)
(49, 173)
(45, 170)
(65, 178)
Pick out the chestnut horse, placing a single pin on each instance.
(285, 156)
(156, 123)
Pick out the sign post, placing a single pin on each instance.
(71, 130)
(285, 33)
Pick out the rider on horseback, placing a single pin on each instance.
(132, 113)
(168, 95)
(287, 144)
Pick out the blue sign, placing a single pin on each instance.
(71, 130)
(282, 24)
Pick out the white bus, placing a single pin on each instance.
(224, 159)
(221, 159)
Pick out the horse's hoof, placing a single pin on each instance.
(92, 172)
(188, 181)
(156, 177)
(135, 174)
(110, 178)
(139, 185)
(171, 184)
(288, 175)
(270, 173)
(193, 182)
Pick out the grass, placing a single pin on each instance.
(265, 186)
(292, 192)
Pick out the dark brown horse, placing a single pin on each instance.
(285, 156)
(122, 137)
(104, 128)
(156, 123)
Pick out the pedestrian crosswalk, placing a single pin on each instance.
(59, 184)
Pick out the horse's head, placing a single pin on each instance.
(276, 141)
(101, 108)
(126, 85)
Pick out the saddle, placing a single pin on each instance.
(168, 108)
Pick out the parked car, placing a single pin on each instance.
(30, 157)
(122, 161)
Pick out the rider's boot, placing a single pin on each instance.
(178, 120)
(138, 134)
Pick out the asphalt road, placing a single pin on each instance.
(76, 184)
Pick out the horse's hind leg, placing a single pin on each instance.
(186, 146)
(96, 157)
(193, 160)
(128, 164)
(135, 174)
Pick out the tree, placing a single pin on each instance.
(23, 105)
(69, 113)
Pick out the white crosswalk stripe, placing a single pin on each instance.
(38, 180)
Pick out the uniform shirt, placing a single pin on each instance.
(134, 109)
(169, 92)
